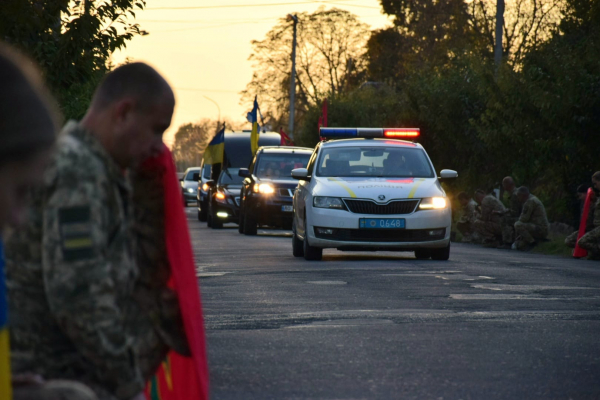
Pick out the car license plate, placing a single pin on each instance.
(287, 208)
(382, 223)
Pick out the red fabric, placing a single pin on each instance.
(182, 378)
(285, 139)
(579, 252)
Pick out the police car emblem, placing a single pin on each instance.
(381, 197)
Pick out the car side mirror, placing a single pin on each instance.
(448, 174)
(210, 183)
(244, 173)
(300, 174)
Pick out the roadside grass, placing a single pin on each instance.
(554, 247)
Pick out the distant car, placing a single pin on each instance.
(224, 198)
(268, 188)
(189, 184)
(236, 154)
(371, 192)
(202, 192)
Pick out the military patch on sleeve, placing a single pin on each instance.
(76, 233)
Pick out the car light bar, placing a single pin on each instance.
(390, 133)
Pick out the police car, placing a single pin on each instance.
(371, 189)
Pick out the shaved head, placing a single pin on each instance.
(137, 81)
(508, 184)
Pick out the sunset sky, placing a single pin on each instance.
(202, 47)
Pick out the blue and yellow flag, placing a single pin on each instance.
(253, 118)
(214, 152)
(5, 388)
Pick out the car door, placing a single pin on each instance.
(301, 194)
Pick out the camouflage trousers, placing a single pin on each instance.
(488, 230)
(54, 390)
(528, 234)
(591, 242)
(508, 229)
(571, 240)
(465, 228)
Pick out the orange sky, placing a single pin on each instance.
(202, 47)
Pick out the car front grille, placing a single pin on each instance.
(382, 235)
(370, 207)
(286, 192)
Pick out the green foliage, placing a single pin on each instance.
(71, 41)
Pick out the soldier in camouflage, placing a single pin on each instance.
(489, 223)
(532, 225)
(74, 285)
(512, 213)
(591, 240)
(28, 124)
(470, 213)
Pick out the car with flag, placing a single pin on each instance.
(268, 187)
(371, 189)
(224, 198)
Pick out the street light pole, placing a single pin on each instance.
(218, 108)
(293, 78)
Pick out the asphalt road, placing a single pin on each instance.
(487, 324)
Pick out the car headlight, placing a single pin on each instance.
(190, 190)
(205, 188)
(431, 203)
(220, 197)
(263, 188)
(328, 202)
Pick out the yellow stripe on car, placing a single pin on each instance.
(411, 194)
(342, 184)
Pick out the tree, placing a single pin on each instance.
(329, 59)
(72, 41)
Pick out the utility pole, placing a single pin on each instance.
(293, 78)
(499, 30)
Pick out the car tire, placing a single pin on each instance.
(216, 223)
(311, 253)
(297, 244)
(442, 254)
(202, 214)
(250, 225)
(422, 254)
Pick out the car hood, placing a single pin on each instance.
(372, 188)
(284, 183)
(233, 190)
(190, 184)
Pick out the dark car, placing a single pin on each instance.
(236, 154)
(224, 198)
(268, 188)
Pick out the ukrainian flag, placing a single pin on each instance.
(214, 152)
(5, 388)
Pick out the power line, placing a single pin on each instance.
(243, 5)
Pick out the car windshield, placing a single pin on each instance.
(190, 174)
(374, 162)
(230, 177)
(279, 166)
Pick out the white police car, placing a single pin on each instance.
(371, 191)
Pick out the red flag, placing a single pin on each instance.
(579, 252)
(285, 139)
(179, 377)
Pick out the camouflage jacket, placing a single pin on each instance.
(534, 213)
(470, 212)
(489, 204)
(596, 213)
(71, 273)
(514, 205)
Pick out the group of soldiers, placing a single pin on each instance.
(521, 223)
(91, 314)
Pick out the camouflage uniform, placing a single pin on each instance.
(510, 217)
(532, 224)
(571, 240)
(489, 224)
(591, 240)
(72, 277)
(54, 390)
(469, 215)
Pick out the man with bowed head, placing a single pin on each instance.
(72, 273)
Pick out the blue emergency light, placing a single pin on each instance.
(389, 133)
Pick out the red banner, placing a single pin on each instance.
(179, 377)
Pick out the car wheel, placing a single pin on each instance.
(216, 223)
(442, 254)
(202, 214)
(250, 225)
(422, 254)
(311, 253)
(297, 244)
(241, 221)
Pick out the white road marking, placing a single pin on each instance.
(327, 282)
(528, 288)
